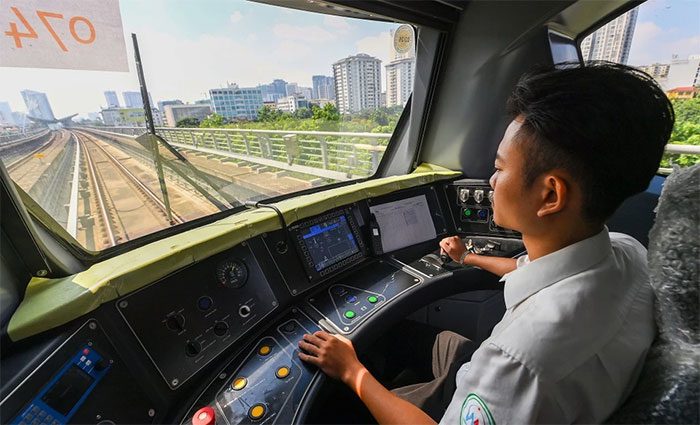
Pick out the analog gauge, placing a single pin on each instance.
(232, 274)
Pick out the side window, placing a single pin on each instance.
(662, 38)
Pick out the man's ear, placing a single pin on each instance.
(555, 194)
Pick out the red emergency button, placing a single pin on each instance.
(86, 351)
(204, 416)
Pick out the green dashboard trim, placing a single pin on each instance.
(49, 303)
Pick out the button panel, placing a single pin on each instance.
(267, 388)
(350, 302)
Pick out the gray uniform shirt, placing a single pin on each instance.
(571, 345)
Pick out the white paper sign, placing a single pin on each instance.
(65, 34)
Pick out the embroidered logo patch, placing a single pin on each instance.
(475, 412)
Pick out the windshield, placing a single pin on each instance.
(248, 102)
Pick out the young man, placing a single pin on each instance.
(579, 317)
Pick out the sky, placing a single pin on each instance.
(191, 46)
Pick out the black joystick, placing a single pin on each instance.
(444, 258)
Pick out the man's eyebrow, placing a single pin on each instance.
(499, 158)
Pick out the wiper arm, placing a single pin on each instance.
(151, 140)
(147, 138)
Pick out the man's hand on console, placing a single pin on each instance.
(333, 354)
(454, 248)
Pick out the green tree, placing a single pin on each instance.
(328, 113)
(188, 122)
(268, 114)
(302, 113)
(686, 131)
(212, 121)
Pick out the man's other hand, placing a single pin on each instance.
(454, 247)
(333, 354)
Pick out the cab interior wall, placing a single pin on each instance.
(484, 61)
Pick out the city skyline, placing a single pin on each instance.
(273, 43)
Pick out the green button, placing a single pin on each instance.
(468, 212)
(349, 314)
(372, 299)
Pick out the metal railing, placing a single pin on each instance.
(333, 155)
(14, 138)
(325, 154)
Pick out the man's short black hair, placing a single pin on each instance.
(604, 123)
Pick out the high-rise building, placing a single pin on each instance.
(175, 113)
(357, 83)
(38, 105)
(291, 89)
(323, 87)
(657, 70)
(611, 42)
(163, 103)
(132, 99)
(273, 91)
(112, 100)
(235, 102)
(124, 117)
(399, 81)
(292, 103)
(6, 117)
(683, 73)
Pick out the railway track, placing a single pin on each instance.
(122, 205)
(25, 158)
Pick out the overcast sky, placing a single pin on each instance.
(190, 46)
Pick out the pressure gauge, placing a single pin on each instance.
(232, 274)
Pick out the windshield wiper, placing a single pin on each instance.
(150, 141)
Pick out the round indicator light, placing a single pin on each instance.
(372, 299)
(239, 383)
(282, 372)
(350, 314)
(256, 412)
(468, 212)
(264, 350)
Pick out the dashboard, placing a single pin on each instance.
(217, 341)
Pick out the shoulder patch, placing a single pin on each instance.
(475, 412)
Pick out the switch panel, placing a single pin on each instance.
(200, 313)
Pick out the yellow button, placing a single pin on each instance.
(282, 372)
(239, 383)
(256, 412)
(264, 350)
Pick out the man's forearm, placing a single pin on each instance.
(496, 265)
(385, 406)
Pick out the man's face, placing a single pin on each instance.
(514, 206)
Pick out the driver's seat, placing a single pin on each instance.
(668, 390)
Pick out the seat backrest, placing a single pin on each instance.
(668, 390)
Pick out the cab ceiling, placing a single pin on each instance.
(438, 14)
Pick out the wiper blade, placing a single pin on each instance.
(147, 139)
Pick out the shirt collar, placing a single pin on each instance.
(536, 275)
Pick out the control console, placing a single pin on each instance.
(82, 381)
(268, 384)
(471, 205)
(185, 321)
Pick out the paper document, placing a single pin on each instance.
(404, 223)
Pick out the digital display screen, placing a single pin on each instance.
(66, 392)
(329, 242)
